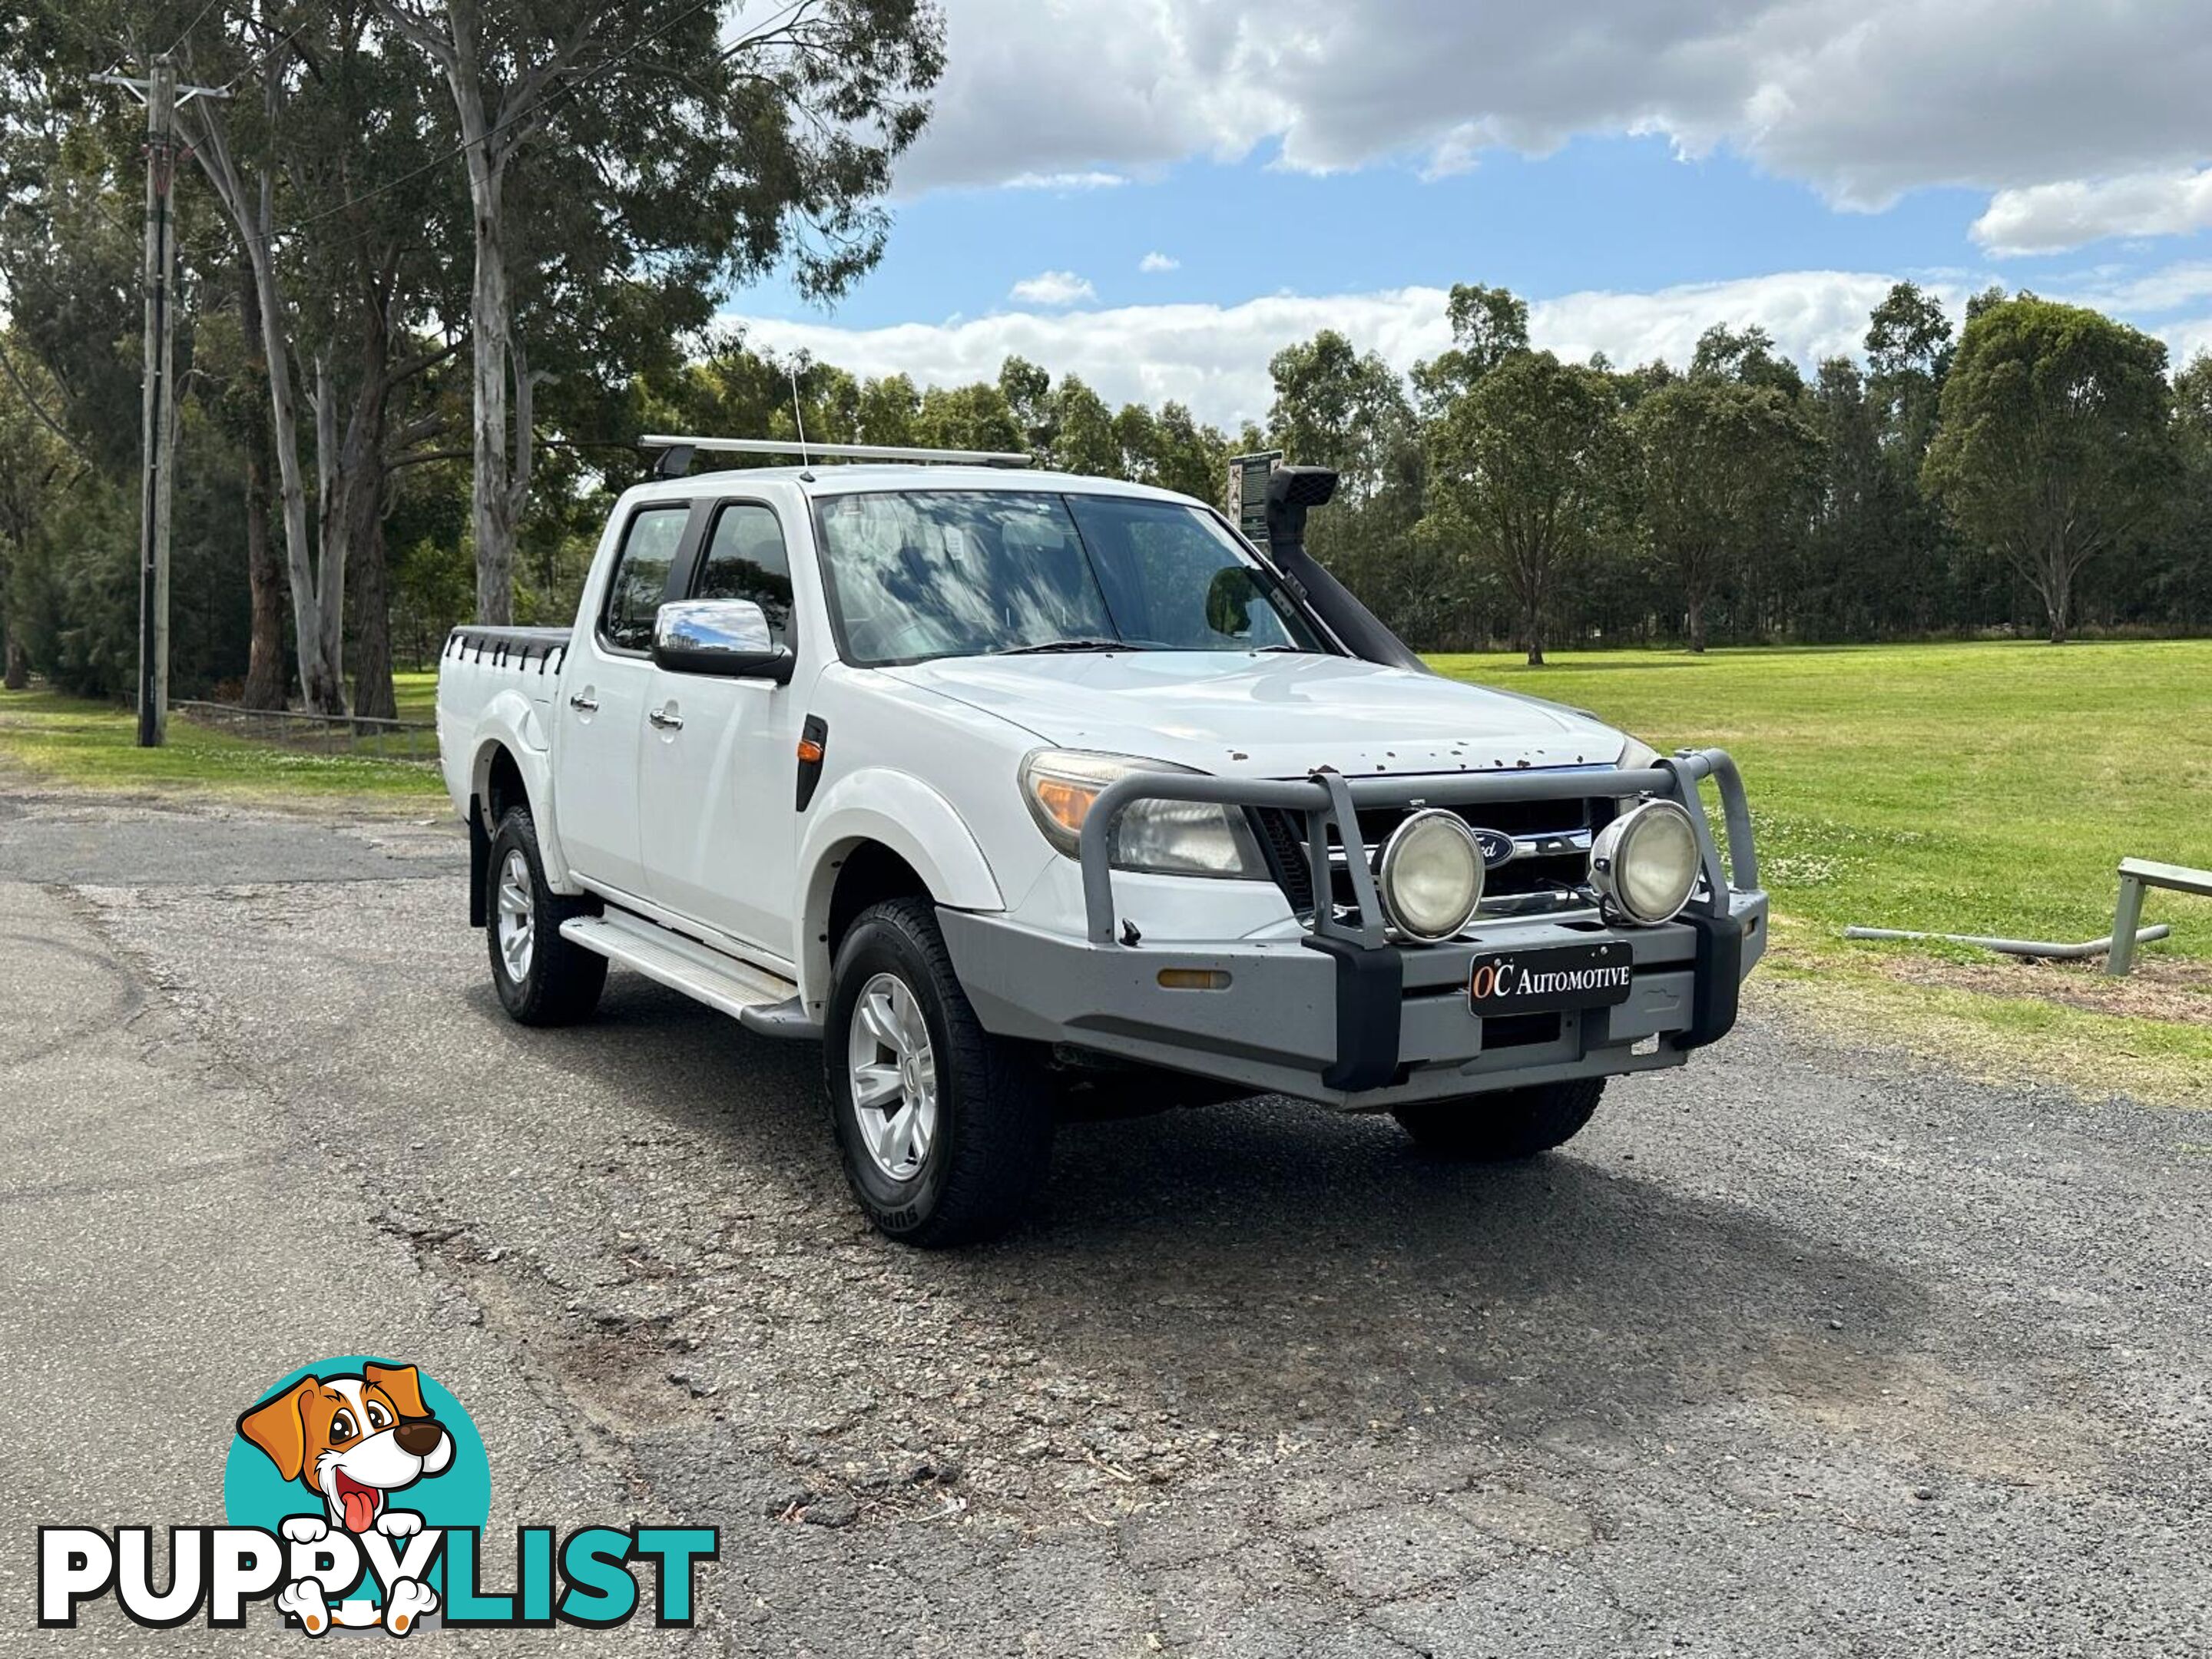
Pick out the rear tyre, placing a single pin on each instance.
(945, 1130)
(1513, 1123)
(542, 978)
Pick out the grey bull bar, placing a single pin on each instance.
(1371, 968)
(1331, 801)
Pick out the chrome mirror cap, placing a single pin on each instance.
(727, 637)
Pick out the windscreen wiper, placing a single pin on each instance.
(1051, 645)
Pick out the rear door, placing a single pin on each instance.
(602, 710)
(721, 755)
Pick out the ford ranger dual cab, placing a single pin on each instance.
(1015, 789)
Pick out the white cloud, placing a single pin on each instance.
(1812, 315)
(1154, 263)
(2152, 293)
(1052, 288)
(2052, 218)
(2190, 340)
(1863, 98)
(1214, 358)
(1093, 180)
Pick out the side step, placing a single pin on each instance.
(760, 1002)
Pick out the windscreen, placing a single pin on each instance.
(925, 574)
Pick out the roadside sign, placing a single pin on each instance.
(1248, 492)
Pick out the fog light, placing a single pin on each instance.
(1431, 877)
(1645, 863)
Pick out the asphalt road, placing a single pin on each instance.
(1798, 1352)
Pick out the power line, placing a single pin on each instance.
(198, 17)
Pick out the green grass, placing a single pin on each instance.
(1953, 788)
(416, 695)
(1983, 789)
(70, 740)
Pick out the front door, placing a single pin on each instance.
(602, 711)
(720, 758)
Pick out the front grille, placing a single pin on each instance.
(1571, 822)
(1283, 842)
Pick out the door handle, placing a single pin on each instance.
(666, 721)
(583, 703)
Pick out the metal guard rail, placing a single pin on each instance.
(1329, 800)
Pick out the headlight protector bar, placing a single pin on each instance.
(1330, 804)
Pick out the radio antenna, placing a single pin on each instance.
(798, 416)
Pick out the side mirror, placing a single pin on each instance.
(1228, 602)
(725, 637)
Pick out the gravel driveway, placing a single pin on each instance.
(1797, 1352)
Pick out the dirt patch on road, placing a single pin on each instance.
(2159, 989)
(2148, 1037)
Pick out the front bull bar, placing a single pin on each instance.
(1330, 802)
(1370, 965)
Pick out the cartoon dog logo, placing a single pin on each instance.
(353, 1441)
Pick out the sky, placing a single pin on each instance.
(1157, 195)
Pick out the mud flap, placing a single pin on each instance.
(479, 866)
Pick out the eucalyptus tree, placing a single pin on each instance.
(322, 159)
(1526, 465)
(1083, 438)
(1908, 349)
(973, 416)
(37, 457)
(1488, 325)
(1722, 468)
(2055, 443)
(1027, 389)
(626, 165)
(1338, 407)
(1188, 456)
(889, 407)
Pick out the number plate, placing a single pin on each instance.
(1540, 982)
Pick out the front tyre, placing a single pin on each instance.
(1513, 1123)
(945, 1130)
(542, 978)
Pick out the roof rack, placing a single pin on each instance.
(677, 451)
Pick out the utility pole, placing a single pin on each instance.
(161, 431)
(159, 90)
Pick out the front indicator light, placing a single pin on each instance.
(1165, 837)
(1193, 979)
(1644, 863)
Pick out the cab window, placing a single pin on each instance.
(640, 582)
(746, 560)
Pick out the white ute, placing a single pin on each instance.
(1016, 789)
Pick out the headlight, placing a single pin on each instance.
(1645, 863)
(1431, 877)
(1169, 837)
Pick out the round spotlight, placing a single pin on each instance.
(1431, 877)
(1645, 863)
